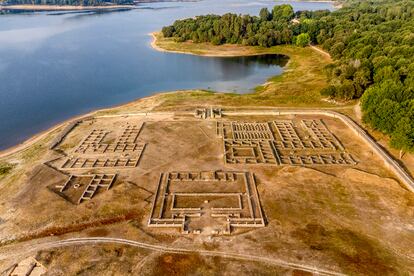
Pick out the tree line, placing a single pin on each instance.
(370, 41)
(267, 29)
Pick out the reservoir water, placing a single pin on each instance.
(54, 65)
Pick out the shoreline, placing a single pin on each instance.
(62, 8)
(159, 49)
(39, 137)
(154, 45)
(217, 54)
(389, 160)
(42, 134)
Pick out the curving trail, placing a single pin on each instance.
(173, 250)
(320, 51)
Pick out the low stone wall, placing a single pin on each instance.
(389, 162)
(63, 134)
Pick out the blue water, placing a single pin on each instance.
(55, 65)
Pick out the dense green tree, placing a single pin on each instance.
(303, 40)
(329, 91)
(403, 136)
(283, 12)
(265, 15)
(168, 31)
(265, 30)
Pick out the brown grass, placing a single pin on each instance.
(355, 252)
(175, 264)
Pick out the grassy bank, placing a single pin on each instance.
(298, 86)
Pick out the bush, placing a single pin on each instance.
(217, 40)
(303, 40)
(5, 168)
(329, 91)
(168, 31)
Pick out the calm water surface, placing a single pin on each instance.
(57, 65)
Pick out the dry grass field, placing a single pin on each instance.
(343, 217)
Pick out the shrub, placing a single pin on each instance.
(303, 40)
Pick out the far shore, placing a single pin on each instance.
(108, 7)
(63, 8)
(336, 3)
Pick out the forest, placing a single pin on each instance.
(70, 2)
(371, 43)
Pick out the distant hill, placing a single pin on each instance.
(69, 2)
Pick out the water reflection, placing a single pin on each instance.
(265, 60)
(237, 68)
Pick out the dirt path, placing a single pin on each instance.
(167, 249)
(320, 50)
(358, 112)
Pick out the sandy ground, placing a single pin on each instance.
(320, 50)
(349, 219)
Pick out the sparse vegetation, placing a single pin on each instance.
(361, 254)
(291, 198)
(5, 168)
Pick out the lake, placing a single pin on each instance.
(55, 65)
